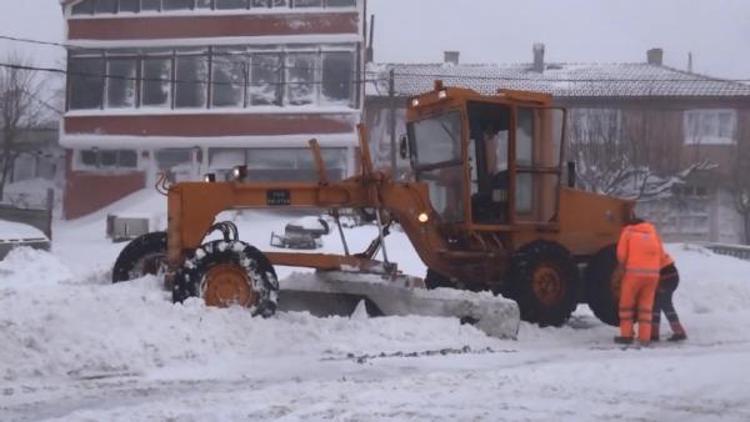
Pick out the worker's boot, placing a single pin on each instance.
(678, 332)
(678, 337)
(623, 340)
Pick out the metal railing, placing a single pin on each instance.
(737, 251)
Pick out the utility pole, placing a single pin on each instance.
(392, 96)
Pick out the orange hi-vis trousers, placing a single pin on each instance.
(637, 298)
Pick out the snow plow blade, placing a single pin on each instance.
(328, 293)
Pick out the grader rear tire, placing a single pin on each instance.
(225, 273)
(602, 289)
(144, 255)
(544, 281)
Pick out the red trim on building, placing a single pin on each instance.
(204, 125)
(176, 27)
(87, 192)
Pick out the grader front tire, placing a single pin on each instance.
(225, 273)
(544, 281)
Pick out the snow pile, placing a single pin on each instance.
(710, 283)
(26, 268)
(53, 328)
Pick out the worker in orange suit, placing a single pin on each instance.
(669, 279)
(639, 252)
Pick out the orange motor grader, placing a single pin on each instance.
(485, 207)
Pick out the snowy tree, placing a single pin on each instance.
(612, 158)
(21, 108)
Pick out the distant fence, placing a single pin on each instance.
(36, 215)
(737, 251)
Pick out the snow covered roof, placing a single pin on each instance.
(559, 79)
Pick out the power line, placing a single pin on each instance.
(37, 42)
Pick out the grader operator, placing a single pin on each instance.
(485, 208)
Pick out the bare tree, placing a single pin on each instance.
(20, 109)
(612, 157)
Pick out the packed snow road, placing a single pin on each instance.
(76, 348)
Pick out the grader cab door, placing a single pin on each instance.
(538, 170)
(513, 157)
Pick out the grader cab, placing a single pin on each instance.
(485, 208)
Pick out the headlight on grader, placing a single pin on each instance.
(239, 173)
(209, 178)
(423, 218)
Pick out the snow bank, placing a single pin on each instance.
(710, 283)
(54, 328)
(26, 268)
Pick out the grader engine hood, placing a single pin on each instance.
(589, 221)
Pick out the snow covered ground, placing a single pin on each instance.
(75, 348)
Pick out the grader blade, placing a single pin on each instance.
(327, 293)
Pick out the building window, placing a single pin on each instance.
(121, 82)
(129, 6)
(156, 86)
(229, 78)
(86, 82)
(108, 7)
(166, 159)
(710, 127)
(308, 3)
(191, 81)
(151, 5)
(269, 3)
(108, 159)
(595, 125)
(85, 7)
(265, 79)
(230, 4)
(301, 78)
(341, 3)
(177, 4)
(272, 76)
(177, 164)
(277, 163)
(338, 73)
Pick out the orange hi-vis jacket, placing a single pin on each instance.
(640, 250)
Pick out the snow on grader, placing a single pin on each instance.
(485, 207)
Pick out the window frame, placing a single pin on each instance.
(118, 168)
(698, 119)
(346, 5)
(282, 89)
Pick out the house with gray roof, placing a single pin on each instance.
(662, 120)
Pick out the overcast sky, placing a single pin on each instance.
(717, 32)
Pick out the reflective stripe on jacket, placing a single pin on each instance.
(640, 250)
